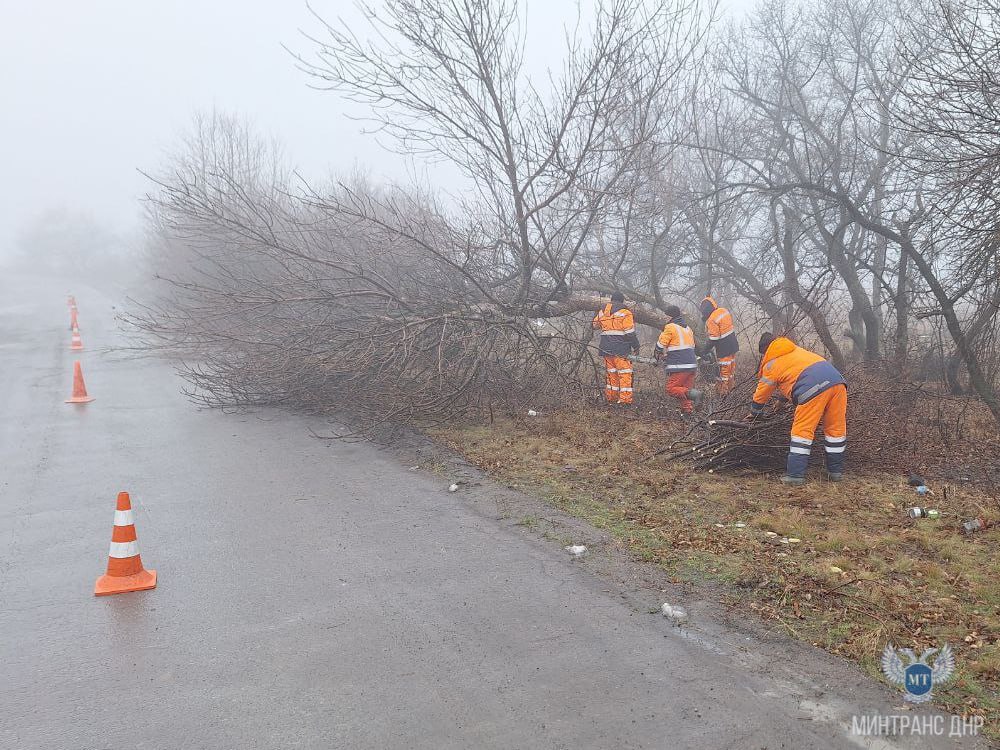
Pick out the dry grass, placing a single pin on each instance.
(915, 583)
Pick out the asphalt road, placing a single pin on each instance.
(311, 594)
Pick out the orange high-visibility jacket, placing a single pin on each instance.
(677, 340)
(798, 373)
(719, 327)
(617, 328)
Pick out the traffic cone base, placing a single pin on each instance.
(142, 581)
(80, 400)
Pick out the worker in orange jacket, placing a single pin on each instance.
(676, 349)
(721, 338)
(819, 393)
(618, 340)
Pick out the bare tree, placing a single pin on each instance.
(446, 78)
(953, 107)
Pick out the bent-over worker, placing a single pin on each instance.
(819, 393)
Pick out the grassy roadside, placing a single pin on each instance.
(838, 565)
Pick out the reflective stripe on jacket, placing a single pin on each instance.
(798, 373)
(677, 340)
(617, 331)
(719, 327)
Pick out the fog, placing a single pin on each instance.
(93, 92)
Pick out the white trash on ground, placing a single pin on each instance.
(453, 488)
(674, 613)
(577, 550)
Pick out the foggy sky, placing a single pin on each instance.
(91, 91)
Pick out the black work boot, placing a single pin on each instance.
(793, 481)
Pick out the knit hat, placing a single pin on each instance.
(765, 341)
(708, 307)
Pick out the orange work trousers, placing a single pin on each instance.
(618, 389)
(679, 382)
(830, 408)
(727, 373)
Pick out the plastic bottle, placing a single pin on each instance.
(931, 513)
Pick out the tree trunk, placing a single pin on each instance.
(592, 303)
(785, 241)
(977, 378)
(902, 338)
(951, 375)
(878, 268)
(837, 254)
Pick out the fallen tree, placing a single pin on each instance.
(370, 302)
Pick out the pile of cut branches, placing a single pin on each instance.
(893, 425)
(716, 443)
(729, 444)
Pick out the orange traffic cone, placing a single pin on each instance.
(75, 342)
(79, 387)
(73, 323)
(71, 300)
(125, 571)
